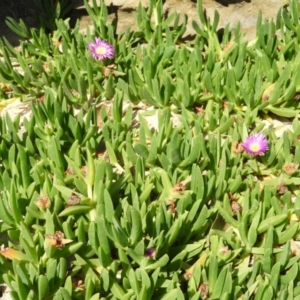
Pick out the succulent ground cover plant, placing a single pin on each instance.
(98, 201)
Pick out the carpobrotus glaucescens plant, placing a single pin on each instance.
(101, 49)
(256, 144)
(116, 188)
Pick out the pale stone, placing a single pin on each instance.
(5, 291)
(125, 4)
(241, 12)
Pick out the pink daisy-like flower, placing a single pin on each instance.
(101, 49)
(256, 144)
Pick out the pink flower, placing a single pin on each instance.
(101, 49)
(256, 144)
(150, 252)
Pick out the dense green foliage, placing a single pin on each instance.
(129, 182)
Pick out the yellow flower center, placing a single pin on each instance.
(100, 50)
(254, 147)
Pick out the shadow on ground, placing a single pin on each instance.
(228, 2)
(30, 13)
(19, 9)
